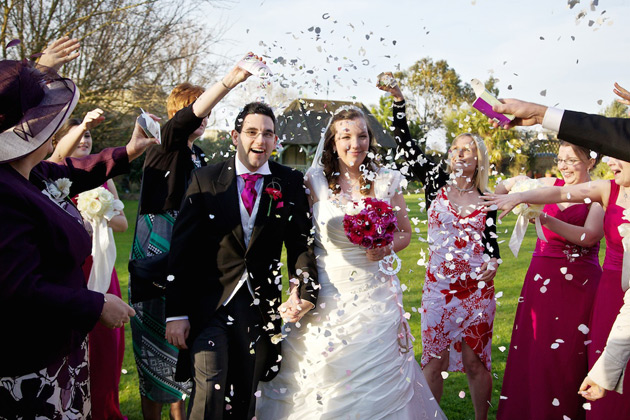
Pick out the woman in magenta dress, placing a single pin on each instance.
(614, 196)
(547, 357)
(106, 347)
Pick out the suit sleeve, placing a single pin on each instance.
(608, 136)
(186, 251)
(609, 370)
(299, 242)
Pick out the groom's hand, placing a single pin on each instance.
(294, 308)
(177, 333)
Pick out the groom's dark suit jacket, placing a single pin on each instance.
(208, 254)
(608, 136)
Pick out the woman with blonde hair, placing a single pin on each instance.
(458, 305)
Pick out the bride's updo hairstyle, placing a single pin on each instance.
(330, 158)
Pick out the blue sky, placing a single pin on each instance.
(527, 45)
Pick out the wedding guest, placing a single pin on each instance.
(106, 347)
(166, 175)
(352, 355)
(613, 196)
(458, 305)
(43, 294)
(609, 136)
(547, 357)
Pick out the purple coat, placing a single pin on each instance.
(45, 306)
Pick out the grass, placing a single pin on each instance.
(508, 281)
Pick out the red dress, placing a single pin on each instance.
(547, 355)
(608, 302)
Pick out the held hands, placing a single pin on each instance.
(294, 308)
(177, 333)
(526, 113)
(116, 313)
(59, 52)
(590, 390)
(394, 91)
(139, 141)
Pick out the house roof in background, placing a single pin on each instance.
(304, 119)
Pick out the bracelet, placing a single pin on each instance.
(224, 85)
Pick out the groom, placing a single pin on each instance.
(224, 302)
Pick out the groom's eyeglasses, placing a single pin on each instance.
(266, 135)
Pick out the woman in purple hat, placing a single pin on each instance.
(44, 302)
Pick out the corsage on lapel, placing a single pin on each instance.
(58, 190)
(275, 194)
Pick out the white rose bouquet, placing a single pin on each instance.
(98, 206)
(525, 213)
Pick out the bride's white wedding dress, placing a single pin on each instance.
(344, 360)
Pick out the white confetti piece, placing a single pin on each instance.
(555, 402)
(555, 346)
(583, 329)
(563, 270)
(124, 371)
(170, 277)
(258, 394)
(462, 394)
(569, 277)
(586, 406)
(444, 374)
(543, 289)
(501, 349)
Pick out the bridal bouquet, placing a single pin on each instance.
(525, 212)
(98, 206)
(370, 223)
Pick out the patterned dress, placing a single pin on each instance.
(455, 305)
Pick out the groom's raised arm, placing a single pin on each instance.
(298, 241)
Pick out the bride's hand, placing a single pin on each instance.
(294, 308)
(377, 254)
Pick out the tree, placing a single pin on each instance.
(616, 110)
(132, 52)
(433, 89)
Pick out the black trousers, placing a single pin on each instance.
(228, 359)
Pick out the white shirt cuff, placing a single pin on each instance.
(176, 318)
(553, 118)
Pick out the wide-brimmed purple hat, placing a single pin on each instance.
(34, 103)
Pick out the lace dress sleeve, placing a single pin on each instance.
(388, 182)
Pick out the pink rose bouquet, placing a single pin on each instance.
(370, 223)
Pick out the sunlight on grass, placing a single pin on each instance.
(509, 281)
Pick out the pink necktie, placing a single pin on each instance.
(249, 191)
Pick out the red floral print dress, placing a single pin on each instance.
(455, 305)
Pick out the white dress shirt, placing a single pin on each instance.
(247, 221)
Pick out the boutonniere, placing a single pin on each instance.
(57, 190)
(275, 194)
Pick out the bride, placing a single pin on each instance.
(351, 356)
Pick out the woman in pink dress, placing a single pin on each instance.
(614, 196)
(547, 358)
(106, 347)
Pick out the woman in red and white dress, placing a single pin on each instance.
(458, 303)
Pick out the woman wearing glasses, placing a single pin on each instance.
(547, 358)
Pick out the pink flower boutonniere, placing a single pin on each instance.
(275, 193)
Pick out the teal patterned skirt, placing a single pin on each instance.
(155, 357)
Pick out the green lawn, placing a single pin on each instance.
(508, 281)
